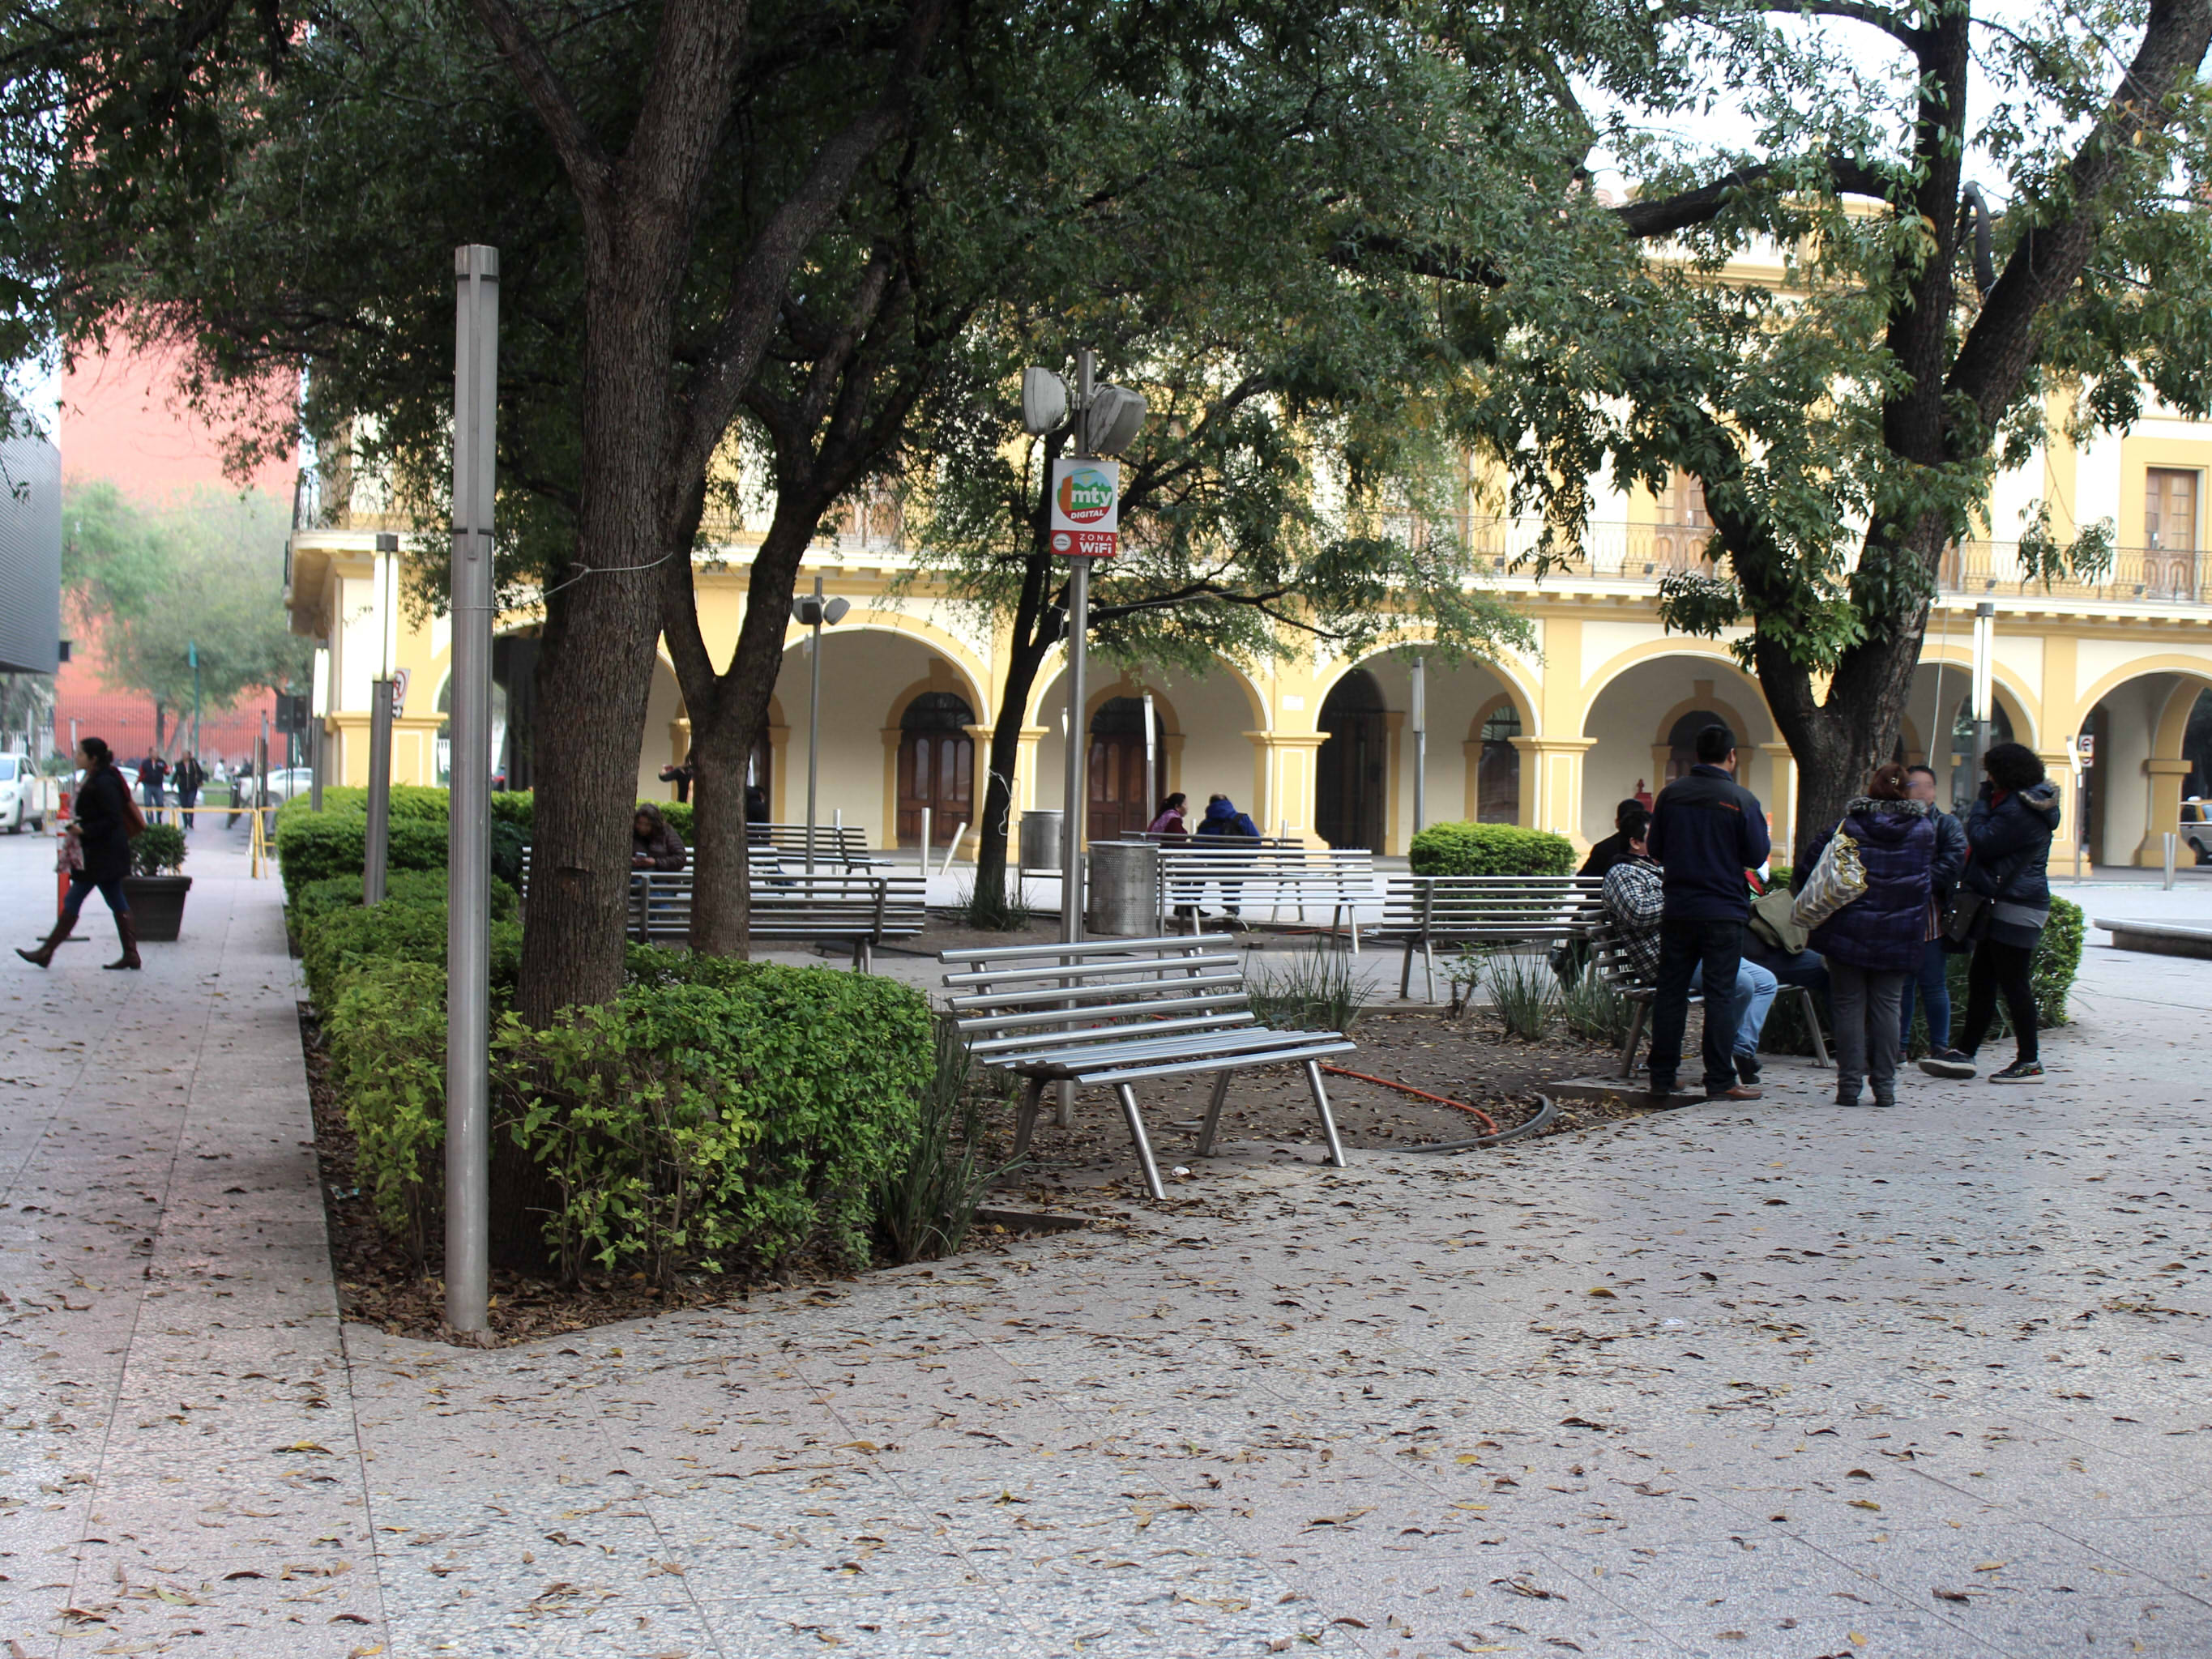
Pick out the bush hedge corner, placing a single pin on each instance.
(1490, 849)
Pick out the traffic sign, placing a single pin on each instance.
(1086, 509)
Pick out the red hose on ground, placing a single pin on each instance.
(1490, 1124)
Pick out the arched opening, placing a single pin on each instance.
(1353, 765)
(1115, 804)
(936, 768)
(1682, 741)
(502, 769)
(2146, 748)
(1497, 786)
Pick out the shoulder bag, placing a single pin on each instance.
(1838, 879)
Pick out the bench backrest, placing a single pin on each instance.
(828, 904)
(1291, 870)
(1611, 962)
(1012, 1000)
(1478, 908)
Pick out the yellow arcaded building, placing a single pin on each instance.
(2116, 671)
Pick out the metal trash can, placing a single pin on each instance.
(1040, 841)
(1123, 900)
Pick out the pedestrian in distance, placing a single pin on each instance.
(1707, 830)
(1171, 825)
(653, 842)
(153, 773)
(1635, 898)
(187, 779)
(1223, 825)
(103, 819)
(1932, 979)
(1875, 944)
(680, 773)
(2005, 894)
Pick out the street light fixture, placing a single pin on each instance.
(812, 611)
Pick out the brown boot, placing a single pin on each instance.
(44, 956)
(127, 931)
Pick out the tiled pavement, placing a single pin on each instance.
(1789, 1381)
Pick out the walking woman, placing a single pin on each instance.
(101, 827)
(1873, 943)
(2008, 853)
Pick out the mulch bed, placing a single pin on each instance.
(1088, 1168)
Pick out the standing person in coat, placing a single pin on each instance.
(188, 778)
(653, 842)
(100, 825)
(1706, 830)
(1875, 944)
(153, 771)
(2008, 840)
(1932, 978)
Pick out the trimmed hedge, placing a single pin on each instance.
(321, 899)
(317, 846)
(343, 940)
(717, 1114)
(1491, 849)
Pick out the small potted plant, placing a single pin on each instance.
(157, 885)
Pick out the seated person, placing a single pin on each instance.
(653, 842)
(1634, 898)
(1604, 855)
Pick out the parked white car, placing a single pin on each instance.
(283, 783)
(26, 797)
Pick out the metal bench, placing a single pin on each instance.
(1243, 872)
(1119, 1012)
(1611, 963)
(827, 906)
(840, 845)
(1428, 911)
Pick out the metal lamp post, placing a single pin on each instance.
(468, 854)
(1985, 622)
(814, 611)
(377, 840)
(1421, 744)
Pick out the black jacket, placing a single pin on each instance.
(2011, 844)
(1604, 855)
(1950, 854)
(98, 809)
(1706, 830)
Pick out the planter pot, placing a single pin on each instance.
(157, 905)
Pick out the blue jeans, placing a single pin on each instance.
(1935, 998)
(1710, 951)
(1754, 998)
(81, 886)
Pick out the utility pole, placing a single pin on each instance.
(468, 853)
(192, 656)
(812, 611)
(1421, 744)
(1984, 687)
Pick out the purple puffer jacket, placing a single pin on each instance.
(1885, 929)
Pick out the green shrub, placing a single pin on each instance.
(719, 1113)
(1310, 990)
(317, 846)
(319, 898)
(408, 800)
(1491, 849)
(1524, 992)
(387, 1037)
(926, 1205)
(679, 816)
(342, 939)
(514, 806)
(158, 850)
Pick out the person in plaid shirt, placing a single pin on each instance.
(1635, 898)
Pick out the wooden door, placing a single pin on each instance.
(936, 771)
(1115, 803)
(2169, 533)
(1684, 528)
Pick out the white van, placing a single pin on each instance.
(25, 797)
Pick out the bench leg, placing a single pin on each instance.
(1212, 1114)
(1428, 970)
(1635, 1036)
(1405, 974)
(1327, 1118)
(1813, 1023)
(1025, 1119)
(1137, 1134)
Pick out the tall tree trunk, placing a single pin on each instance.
(728, 714)
(1026, 658)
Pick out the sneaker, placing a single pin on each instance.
(1950, 1063)
(1848, 1094)
(2021, 1071)
(1746, 1068)
(1740, 1091)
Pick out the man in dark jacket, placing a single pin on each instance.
(1706, 830)
(1932, 977)
(188, 780)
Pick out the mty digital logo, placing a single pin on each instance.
(1086, 495)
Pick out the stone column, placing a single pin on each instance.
(1552, 785)
(1283, 781)
(2165, 810)
(1780, 798)
(2059, 763)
